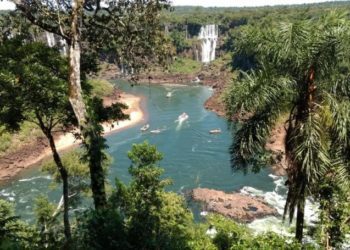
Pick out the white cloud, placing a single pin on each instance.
(241, 3)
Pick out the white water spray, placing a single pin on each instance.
(277, 199)
(50, 39)
(209, 36)
(63, 47)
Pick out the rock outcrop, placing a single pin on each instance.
(240, 207)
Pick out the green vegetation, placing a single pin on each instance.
(10, 141)
(140, 215)
(185, 66)
(35, 89)
(294, 63)
(14, 233)
(101, 87)
(179, 40)
(78, 175)
(302, 69)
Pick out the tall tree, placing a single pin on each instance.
(130, 26)
(33, 80)
(34, 84)
(302, 71)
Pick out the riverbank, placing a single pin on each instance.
(36, 151)
(216, 75)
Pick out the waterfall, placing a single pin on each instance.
(63, 47)
(209, 36)
(125, 69)
(50, 39)
(61, 43)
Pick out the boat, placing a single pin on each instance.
(215, 131)
(145, 127)
(169, 94)
(155, 131)
(183, 117)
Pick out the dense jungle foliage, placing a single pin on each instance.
(290, 61)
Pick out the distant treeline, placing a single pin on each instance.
(230, 17)
(183, 23)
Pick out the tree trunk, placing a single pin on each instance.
(64, 176)
(300, 216)
(75, 90)
(89, 131)
(95, 153)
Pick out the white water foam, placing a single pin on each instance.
(10, 196)
(180, 122)
(277, 199)
(47, 177)
(6, 193)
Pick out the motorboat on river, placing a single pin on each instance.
(169, 94)
(183, 117)
(215, 131)
(145, 128)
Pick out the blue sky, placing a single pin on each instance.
(219, 3)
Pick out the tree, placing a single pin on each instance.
(47, 223)
(179, 41)
(14, 233)
(155, 219)
(231, 235)
(78, 176)
(303, 71)
(123, 24)
(35, 87)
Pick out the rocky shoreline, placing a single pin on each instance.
(239, 207)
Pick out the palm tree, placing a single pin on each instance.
(303, 73)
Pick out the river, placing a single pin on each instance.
(192, 156)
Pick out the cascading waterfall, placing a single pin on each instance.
(125, 69)
(51, 42)
(209, 36)
(63, 46)
(50, 39)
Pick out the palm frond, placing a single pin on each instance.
(340, 127)
(258, 89)
(309, 160)
(250, 139)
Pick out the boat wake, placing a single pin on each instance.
(183, 117)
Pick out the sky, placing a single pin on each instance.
(213, 3)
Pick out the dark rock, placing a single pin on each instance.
(240, 207)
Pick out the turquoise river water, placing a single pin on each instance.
(192, 156)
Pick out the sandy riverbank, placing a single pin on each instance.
(32, 154)
(136, 115)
